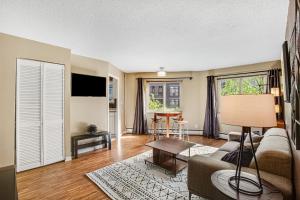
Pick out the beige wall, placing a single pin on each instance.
(78, 110)
(193, 100)
(93, 110)
(88, 110)
(12, 48)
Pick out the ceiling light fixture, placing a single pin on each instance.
(161, 72)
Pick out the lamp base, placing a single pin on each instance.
(247, 185)
(220, 180)
(238, 179)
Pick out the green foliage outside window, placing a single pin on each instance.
(247, 85)
(253, 85)
(154, 104)
(230, 87)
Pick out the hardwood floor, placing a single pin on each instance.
(67, 180)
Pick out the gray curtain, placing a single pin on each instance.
(211, 123)
(140, 120)
(274, 82)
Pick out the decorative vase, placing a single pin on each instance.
(92, 129)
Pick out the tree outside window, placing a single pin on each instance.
(243, 85)
(230, 87)
(253, 85)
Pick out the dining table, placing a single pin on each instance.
(167, 115)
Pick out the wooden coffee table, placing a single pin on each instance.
(166, 154)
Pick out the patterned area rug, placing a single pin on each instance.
(132, 179)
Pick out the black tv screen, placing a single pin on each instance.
(85, 85)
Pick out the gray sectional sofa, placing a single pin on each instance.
(274, 159)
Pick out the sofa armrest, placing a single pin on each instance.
(234, 136)
(200, 169)
(283, 184)
(275, 162)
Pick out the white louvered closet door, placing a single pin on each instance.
(39, 114)
(53, 112)
(28, 115)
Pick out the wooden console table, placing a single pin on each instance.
(106, 140)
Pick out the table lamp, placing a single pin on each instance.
(247, 111)
(277, 108)
(275, 92)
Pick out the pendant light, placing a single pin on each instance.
(161, 72)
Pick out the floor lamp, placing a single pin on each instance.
(247, 111)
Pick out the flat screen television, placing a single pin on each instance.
(287, 70)
(85, 85)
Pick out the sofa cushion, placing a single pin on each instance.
(230, 146)
(218, 155)
(274, 155)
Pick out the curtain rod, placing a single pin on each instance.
(241, 76)
(178, 78)
(164, 81)
(233, 74)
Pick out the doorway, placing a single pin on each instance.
(113, 107)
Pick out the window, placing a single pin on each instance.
(163, 96)
(243, 85)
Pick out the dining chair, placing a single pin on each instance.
(181, 130)
(174, 123)
(156, 128)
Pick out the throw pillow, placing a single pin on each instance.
(232, 157)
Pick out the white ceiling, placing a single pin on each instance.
(143, 35)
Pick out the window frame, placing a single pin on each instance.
(240, 83)
(164, 84)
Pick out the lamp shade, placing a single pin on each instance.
(161, 72)
(248, 110)
(275, 92)
(277, 108)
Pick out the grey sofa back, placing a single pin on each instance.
(274, 153)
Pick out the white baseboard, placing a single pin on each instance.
(191, 132)
(195, 132)
(68, 158)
